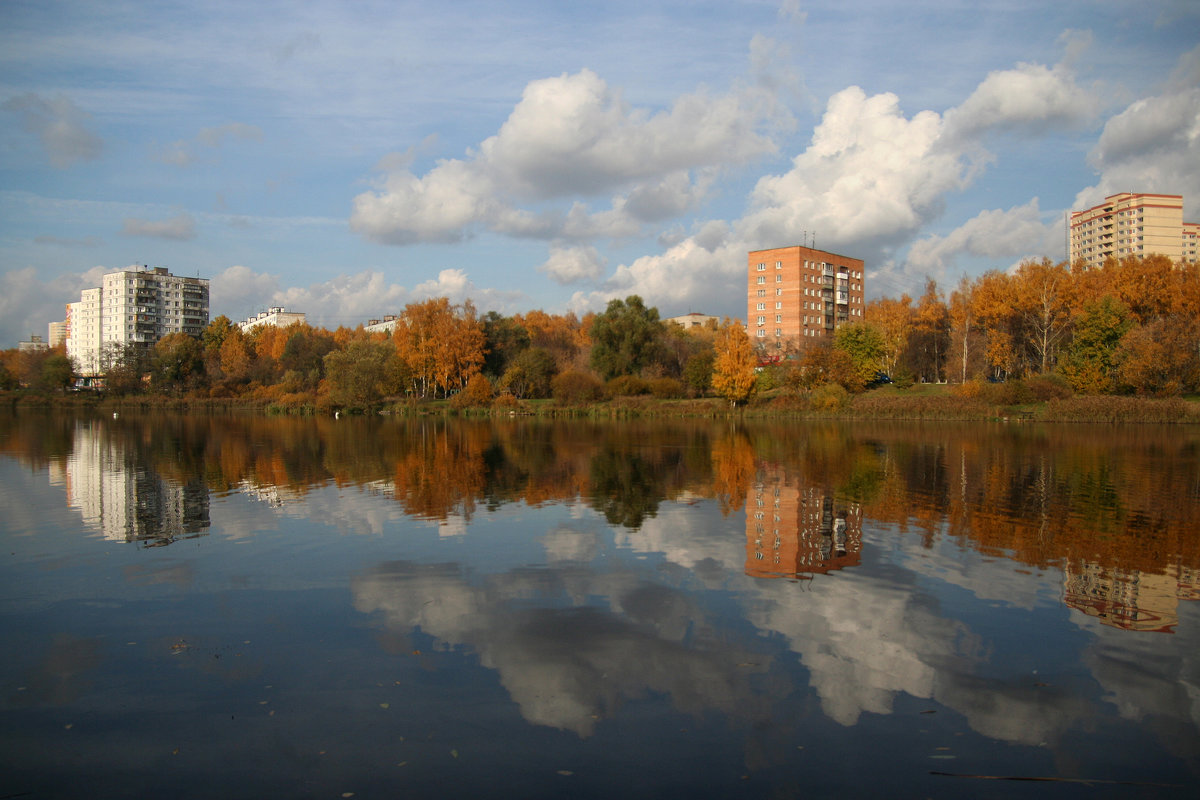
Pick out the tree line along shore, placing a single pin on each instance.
(1044, 341)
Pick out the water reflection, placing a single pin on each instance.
(778, 590)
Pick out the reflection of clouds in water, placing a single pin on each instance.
(1151, 675)
(567, 667)
(690, 537)
(564, 544)
(863, 641)
(987, 578)
(866, 637)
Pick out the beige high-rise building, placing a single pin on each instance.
(133, 306)
(1131, 224)
(801, 295)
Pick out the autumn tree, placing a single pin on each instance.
(929, 339)
(1041, 295)
(503, 338)
(964, 330)
(441, 344)
(733, 364)
(892, 320)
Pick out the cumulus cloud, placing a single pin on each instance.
(573, 136)
(1153, 145)
(60, 126)
(1031, 95)
(28, 300)
(1019, 231)
(869, 180)
(347, 299)
(180, 227)
(571, 264)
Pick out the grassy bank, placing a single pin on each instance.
(929, 403)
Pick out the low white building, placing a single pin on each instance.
(276, 317)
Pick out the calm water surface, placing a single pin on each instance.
(225, 606)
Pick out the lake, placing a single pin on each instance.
(246, 606)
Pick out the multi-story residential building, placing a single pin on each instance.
(57, 333)
(1191, 242)
(276, 317)
(1131, 224)
(134, 306)
(801, 295)
(33, 345)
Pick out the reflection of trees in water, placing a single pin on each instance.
(1125, 497)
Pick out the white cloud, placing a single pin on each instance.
(59, 124)
(28, 301)
(571, 264)
(1015, 233)
(1151, 146)
(180, 227)
(1031, 95)
(573, 136)
(348, 299)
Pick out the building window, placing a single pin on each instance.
(762, 320)
(762, 333)
(778, 265)
(762, 292)
(779, 317)
(779, 279)
(762, 306)
(762, 278)
(778, 305)
(778, 292)
(762, 267)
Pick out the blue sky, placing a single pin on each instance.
(344, 159)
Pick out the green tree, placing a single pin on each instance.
(530, 374)
(57, 374)
(177, 364)
(361, 374)
(625, 338)
(864, 345)
(733, 365)
(503, 337)
(1090, 361)
(698, 371)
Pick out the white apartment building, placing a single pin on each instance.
(276, 317)
(1131, 224)
(138, 306)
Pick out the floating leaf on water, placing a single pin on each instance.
(565, 772)
(454, 753)
(383, 705)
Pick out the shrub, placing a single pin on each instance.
(506, 402)
(575, 388)
(665, 388)
(969, 390)
(476, 394)
(830, 397)
(1049, 387)
(626, 386)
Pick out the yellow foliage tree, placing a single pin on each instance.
(733, 367)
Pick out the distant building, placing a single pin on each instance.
(275, 317)
(385, 325)
(34, 344)
(1131, 224)
(57, 333)
(134, 306)
(694, 320)
(801, 294)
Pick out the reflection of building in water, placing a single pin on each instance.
(1130, 599)
(125, 499)
(794, 530)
